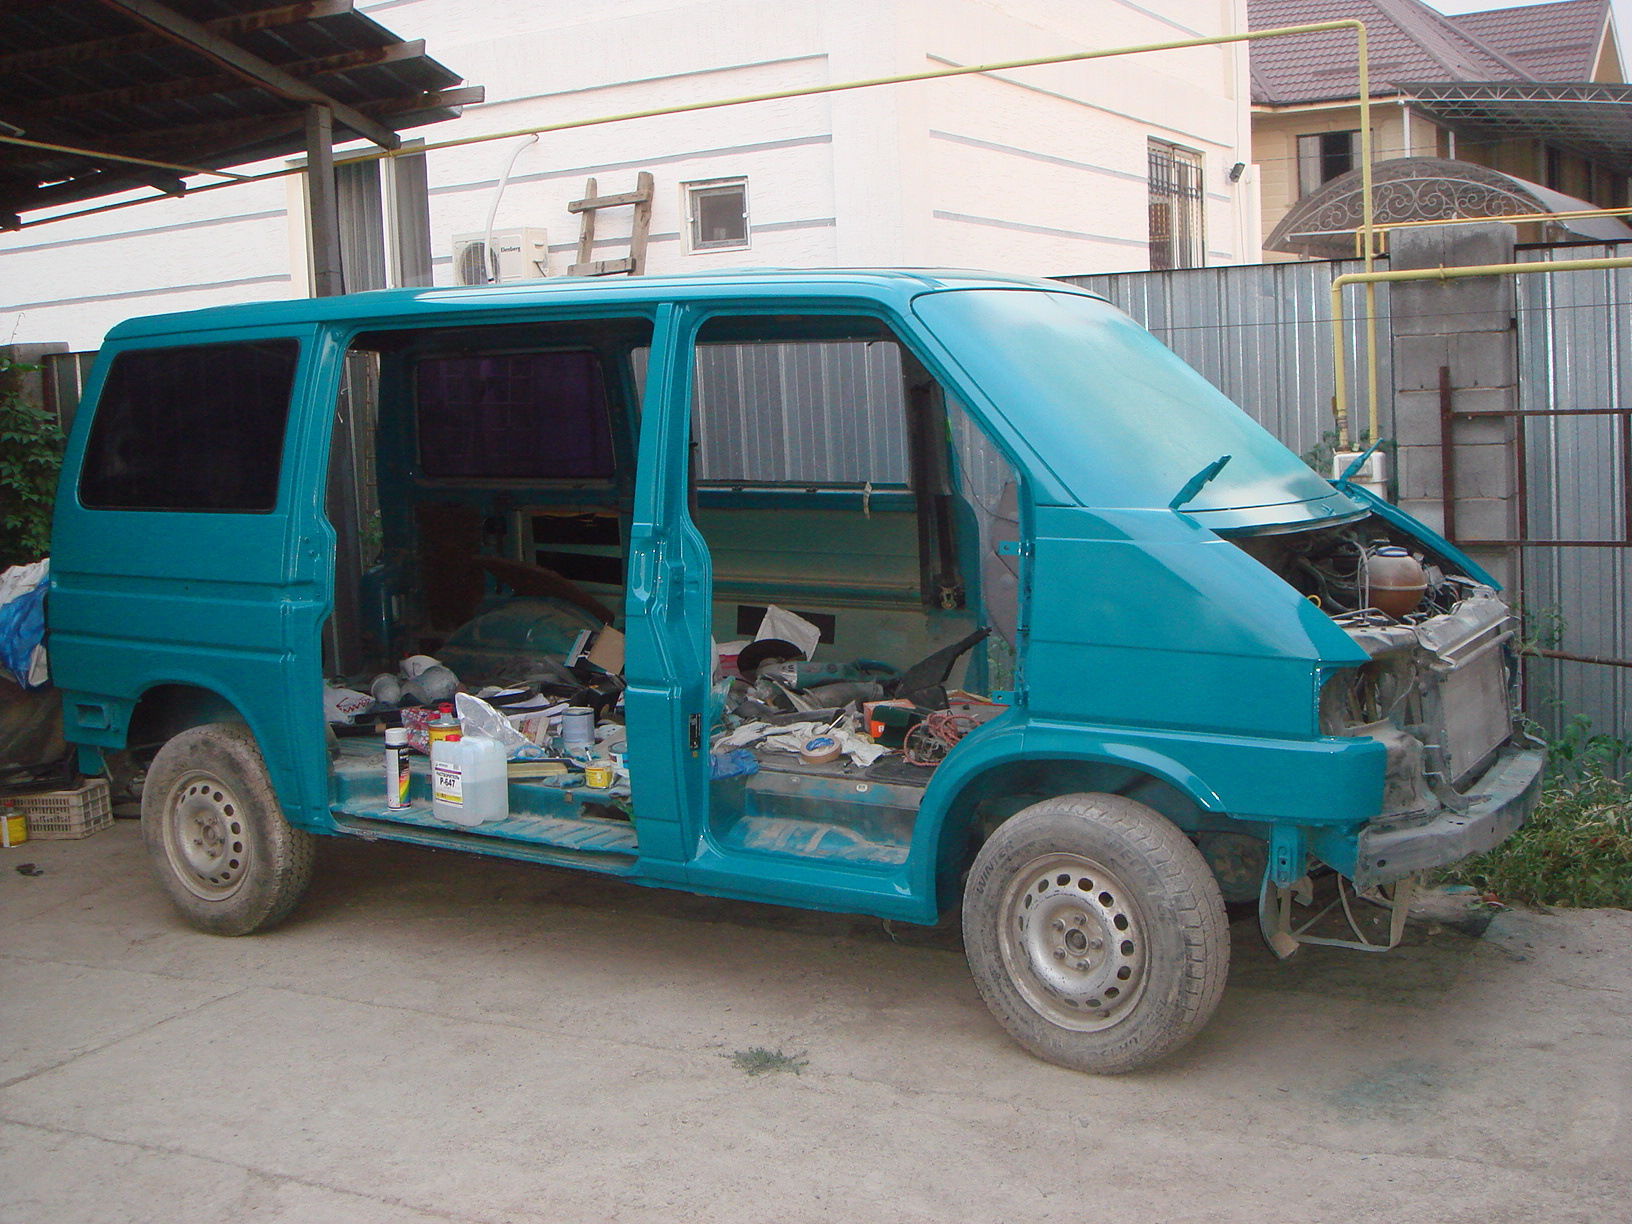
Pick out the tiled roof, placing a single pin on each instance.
(1408, 42)
(1552, 42)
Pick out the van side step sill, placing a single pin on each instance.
(471, 841)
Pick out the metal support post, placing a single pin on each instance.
(322, 204)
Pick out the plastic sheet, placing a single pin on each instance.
(22, 623)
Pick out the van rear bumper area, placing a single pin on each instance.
(1499, 803)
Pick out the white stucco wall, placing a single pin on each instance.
(1040, 171)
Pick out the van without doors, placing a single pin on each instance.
(1161, 674)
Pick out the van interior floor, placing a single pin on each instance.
(577, 819)
(835, 811)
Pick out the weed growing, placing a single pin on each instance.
(1576, 850)
(760, 1061)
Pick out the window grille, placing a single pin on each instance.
(1175, 207)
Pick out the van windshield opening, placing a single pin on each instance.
(1122, 420)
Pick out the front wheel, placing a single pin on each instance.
(217, 836)
(1095, 932)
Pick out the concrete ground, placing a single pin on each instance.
(441, 1038)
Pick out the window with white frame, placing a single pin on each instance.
(717, 214)
(1175, 207)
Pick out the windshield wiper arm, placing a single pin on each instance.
(1198, 482)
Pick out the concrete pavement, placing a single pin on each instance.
(441, 1038)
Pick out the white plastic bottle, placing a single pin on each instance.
(469, 783)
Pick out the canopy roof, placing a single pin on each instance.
(194, 84)
(1322, 224)
(1593, 120)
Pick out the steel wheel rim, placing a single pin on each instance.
(206, 837)
(1072, 941)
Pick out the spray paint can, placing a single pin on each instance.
(396, 769)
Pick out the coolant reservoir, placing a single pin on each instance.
(469, 781)
(1395, 582)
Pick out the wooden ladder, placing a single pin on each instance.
(635, 263)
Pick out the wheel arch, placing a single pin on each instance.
(1013, 775)
(166, 709)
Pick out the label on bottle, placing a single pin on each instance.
(397, 776)
(447, 783)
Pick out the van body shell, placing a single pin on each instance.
(1150, 645)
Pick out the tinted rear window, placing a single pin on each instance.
(194, 428)
(514, 416)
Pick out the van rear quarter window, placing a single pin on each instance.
(198, 427)
(515, 416)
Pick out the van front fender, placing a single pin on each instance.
(1316, 781)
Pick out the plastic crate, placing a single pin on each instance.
(66, 814)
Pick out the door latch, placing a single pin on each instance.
(694, 728)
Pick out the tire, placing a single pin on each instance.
(224, 852)
(1095, 933)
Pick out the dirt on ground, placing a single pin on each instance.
(436, 1037)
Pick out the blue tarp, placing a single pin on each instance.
(22, 623)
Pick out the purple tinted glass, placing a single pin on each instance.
(516, 416)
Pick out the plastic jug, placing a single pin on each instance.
(469, 782)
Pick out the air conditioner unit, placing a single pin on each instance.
(517, 254)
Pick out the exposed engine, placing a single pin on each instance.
(1437, 691)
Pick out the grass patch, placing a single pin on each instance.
(1576, 851)
(760, 1061)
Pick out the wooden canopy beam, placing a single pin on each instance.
(188, 87)
(235, 59)
(131, 44)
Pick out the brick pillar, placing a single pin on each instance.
(1466, 326)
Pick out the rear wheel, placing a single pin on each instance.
(229, 860)
(1095, 932)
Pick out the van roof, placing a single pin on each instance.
(898, 284)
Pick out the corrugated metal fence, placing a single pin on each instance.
(1575, 352)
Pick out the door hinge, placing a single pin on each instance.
(1014, 548)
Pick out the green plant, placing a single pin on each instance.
(760, 1061)
(1320, 455)
(1577, 849)
(30, 458)
(1543, 629)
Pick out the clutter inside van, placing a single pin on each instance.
(859, 615)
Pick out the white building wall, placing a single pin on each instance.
(1039, 171)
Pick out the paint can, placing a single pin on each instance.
(598, 774)
(13, 829)
(577, 727)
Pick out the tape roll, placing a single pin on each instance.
(820, 749)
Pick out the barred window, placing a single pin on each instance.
(1175, 207)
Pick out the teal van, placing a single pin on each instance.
(1190, 671)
